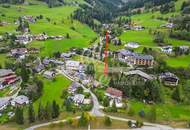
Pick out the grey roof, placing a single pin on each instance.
(4, 72)
(136, 55)
(75, 85)
(66, 55)
(20, 99)
(125, 52)
(141, 73)
(141, 56)
(39, 67)
(168, 75)
(49, 73)
(4, 101)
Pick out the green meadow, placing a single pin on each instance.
(60, 24)
(181, 61)
(145, 38)
(170, 111)
(52, 90)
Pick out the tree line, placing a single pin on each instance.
(12, 1)
(50, 111)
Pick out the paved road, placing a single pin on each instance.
(48, 123)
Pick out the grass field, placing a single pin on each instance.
(181, 61)
(53, 90)
(3, 59)
(145, 39)
(165, 111)
(60, 24)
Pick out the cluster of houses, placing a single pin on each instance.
(21, 53)
(169, 49)
(40, 67)
(168, 78)
(168, 25)
(28, 18)
(76, 98)
(7, 78)
(18, 101)
(133, 27)
(115, 95)
(133, 58)
(28, 38)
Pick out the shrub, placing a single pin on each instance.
(6, 6)
(107, 121)
(129, 123)
(131, 112)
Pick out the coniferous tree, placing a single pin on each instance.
(176, 95)
(40, 112)
(31, 113)
(48, 111)
(55, 109)
(19, 116)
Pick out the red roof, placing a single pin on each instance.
(114, 92)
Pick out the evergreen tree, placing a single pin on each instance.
(31, 113)
(106, 102)
(114, 108)
(55, 109)
(19, 116)
(176, 95)
(40, 112)
(111, 83)
(48, 111)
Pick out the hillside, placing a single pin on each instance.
(152, 21)
(59, 24)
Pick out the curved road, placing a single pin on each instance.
(97, 112)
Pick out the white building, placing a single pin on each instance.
(72, 65)
(167, 49)
(49, 74)
(118, 102)
(4, 102)
(78, 99)
(132, 45)
(20, 100)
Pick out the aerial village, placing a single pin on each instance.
(129, 72)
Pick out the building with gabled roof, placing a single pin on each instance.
(114, 93)
(7, 77)
(142, 74)
(135, 58)
(169, 79)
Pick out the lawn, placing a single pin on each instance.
(142, 37)
(167, 112)
(52, 90)
(3, 59)
(181, 61)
